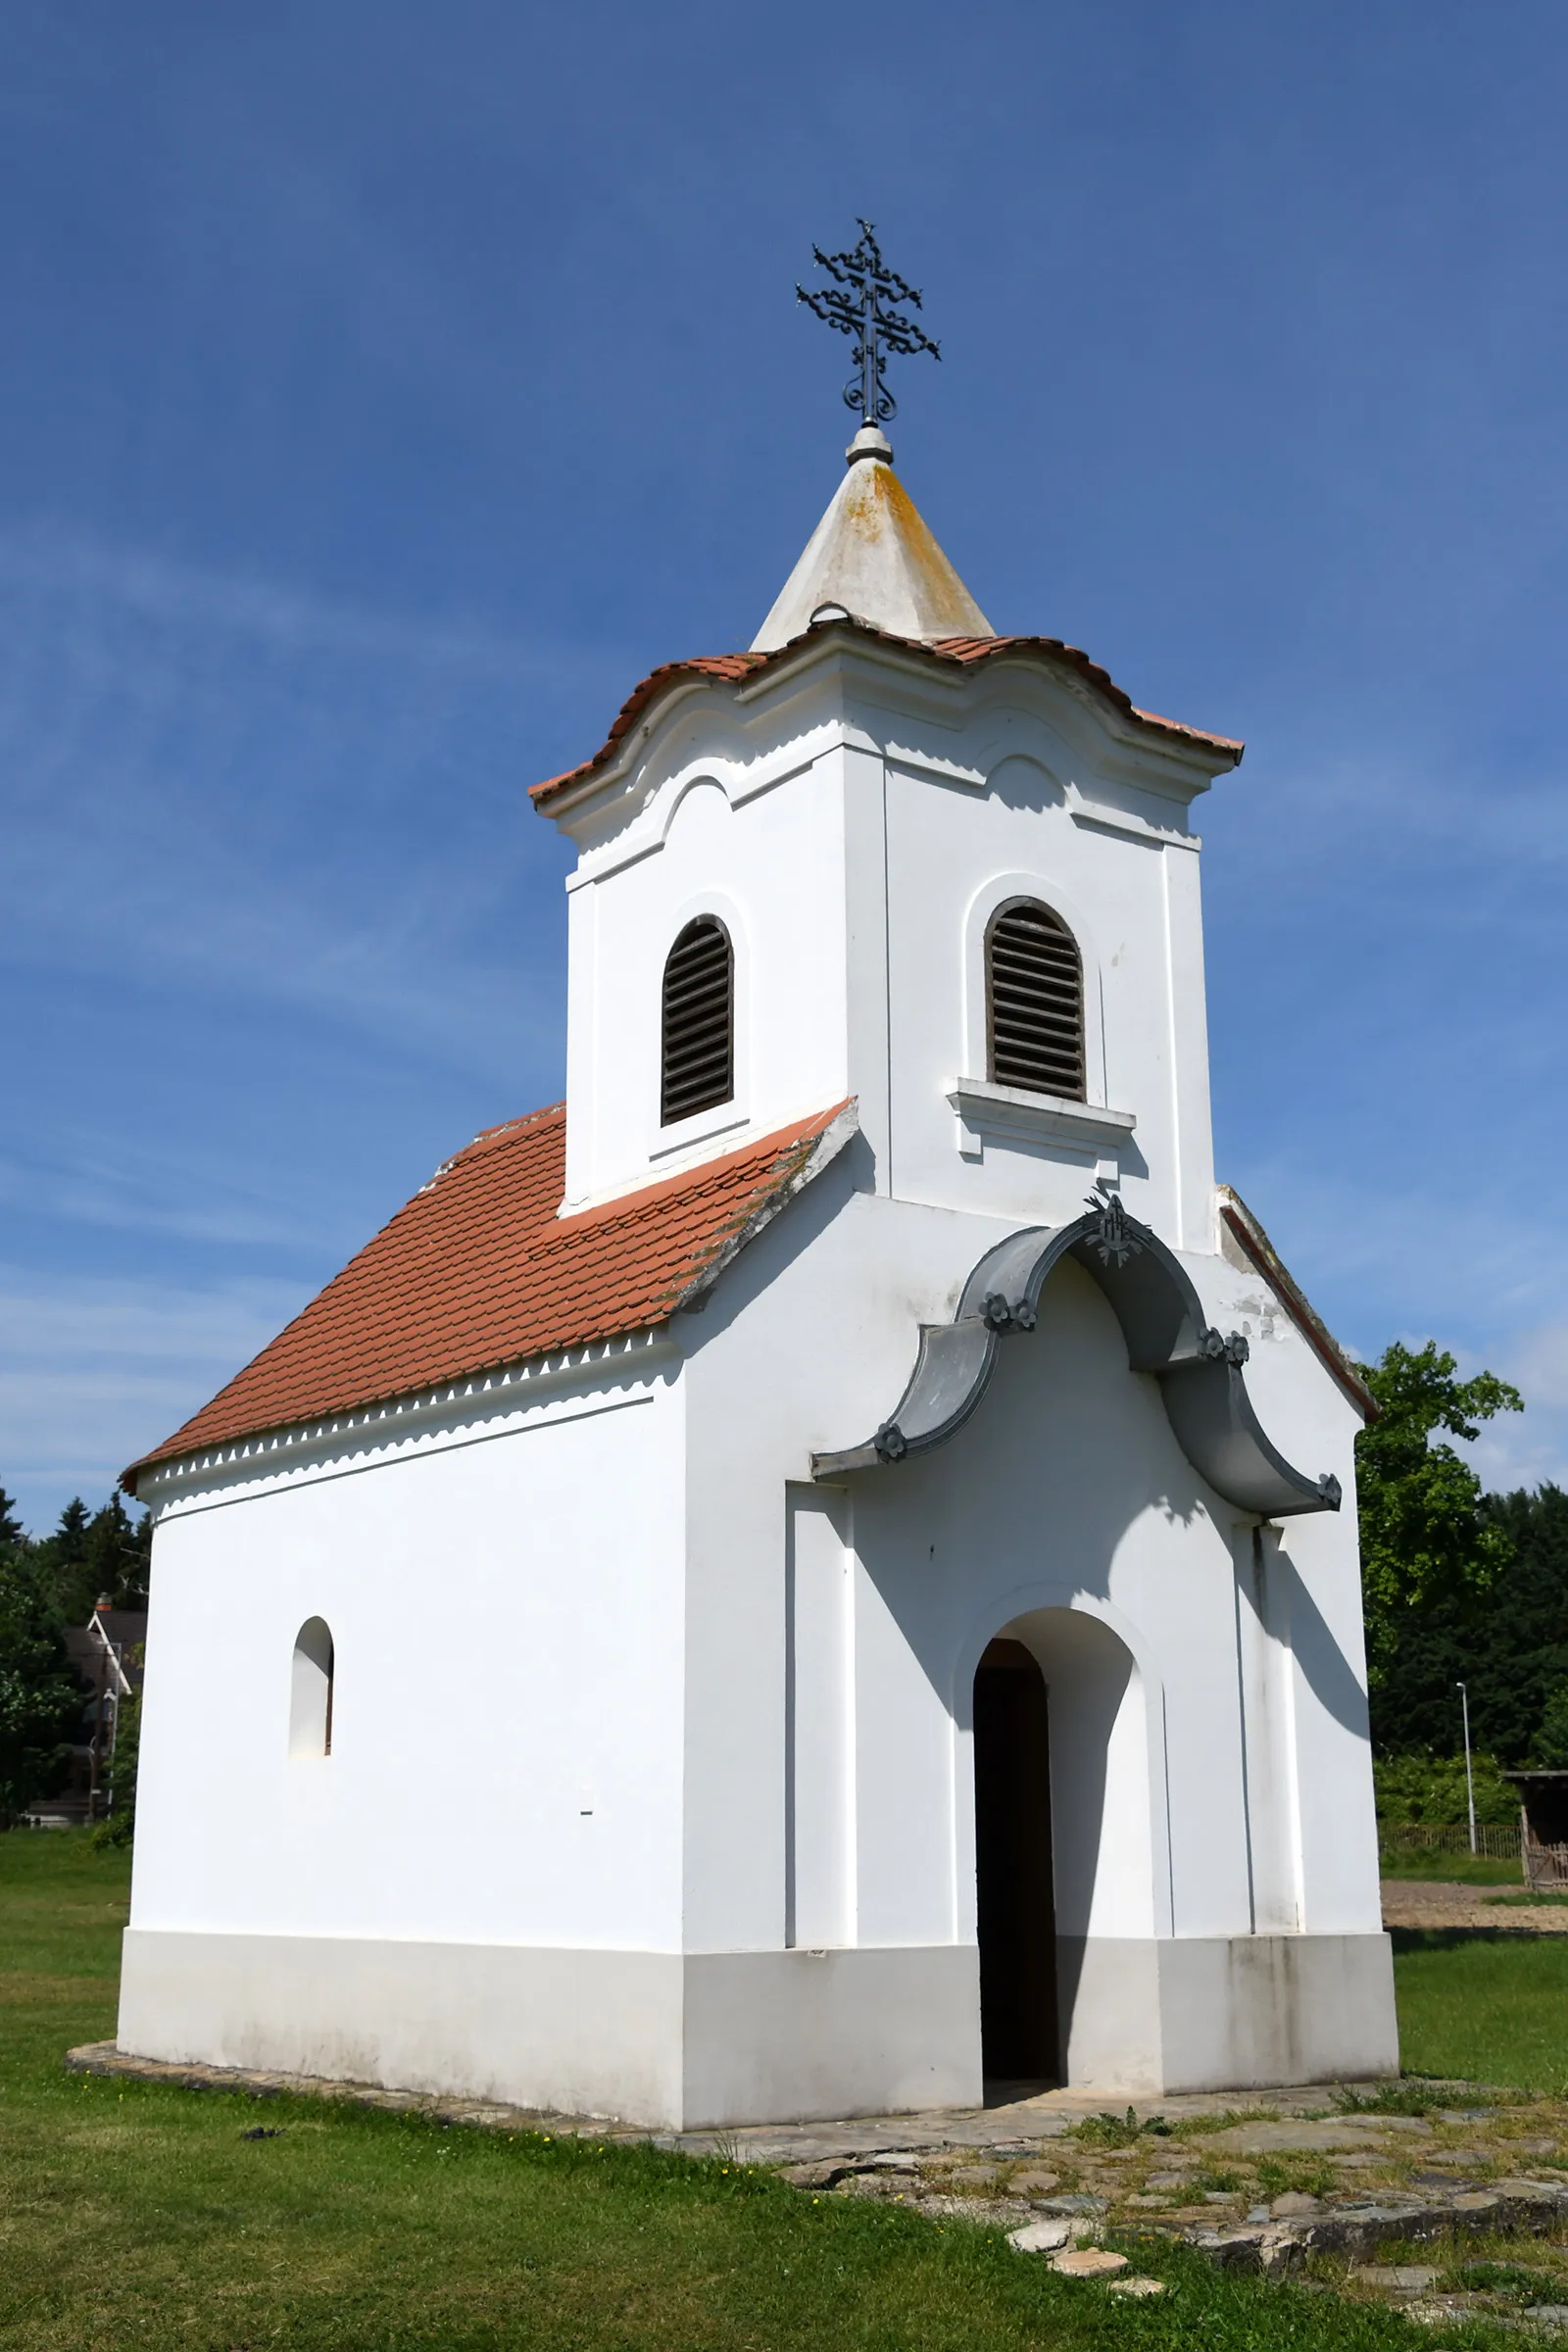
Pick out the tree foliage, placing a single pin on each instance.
(1551, 1745)
(40, 1698)
(93, 1555)
(1431, 1788)
(119, 1828)
(45, 1585)
(1427, 1539)
(1511, 1652)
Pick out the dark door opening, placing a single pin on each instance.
(1018, 1916)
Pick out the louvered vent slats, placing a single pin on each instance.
(1035, 1002)
(699, 1022)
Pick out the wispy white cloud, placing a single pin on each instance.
(94, 1372)
(1528, 1448)
(106, 1181)
(277, 818)
(1404, 1255)
(289, 800)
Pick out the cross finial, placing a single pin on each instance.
(861, 302)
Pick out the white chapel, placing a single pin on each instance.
(820, 1572)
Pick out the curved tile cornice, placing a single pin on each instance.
(1161, 1316)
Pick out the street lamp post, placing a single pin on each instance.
(1469, 1776)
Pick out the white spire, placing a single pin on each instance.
(873, 555)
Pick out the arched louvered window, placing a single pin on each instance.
(1034, 1000)
(698, 1041)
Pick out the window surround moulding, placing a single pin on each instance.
(698, 1129)
(1016, 1114)
(719, 1118)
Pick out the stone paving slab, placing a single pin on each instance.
(1367, 2182)
(1014, 2128)
(1303, 2135)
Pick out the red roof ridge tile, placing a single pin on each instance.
(965, 651)
(488, 1138)
(647, 1196)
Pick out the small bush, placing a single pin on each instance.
(1403, 2097)
(1107, 2130)
(1517, 2282)
(120, 1827)
(1431, 1790)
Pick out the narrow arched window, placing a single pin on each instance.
(310, 1713)
(698, 1036)
(1034, 1000)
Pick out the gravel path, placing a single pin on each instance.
(1434, 1903)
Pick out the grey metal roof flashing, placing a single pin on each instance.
(1161, 1316)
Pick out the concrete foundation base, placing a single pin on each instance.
(687, 2042)
(677, 2042)
(1225, 2012)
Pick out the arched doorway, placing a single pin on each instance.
(1015, 1901)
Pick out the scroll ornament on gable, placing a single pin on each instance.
(1199, 1369)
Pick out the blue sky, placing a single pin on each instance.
(386, 388)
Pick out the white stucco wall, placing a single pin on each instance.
(1066, 1496)
(650, 1788)
(505, 1595)
(854, 818)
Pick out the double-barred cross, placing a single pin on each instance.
(861, 301)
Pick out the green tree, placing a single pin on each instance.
(60, 1564)
(1427, 1539)
(93, 1555)
(40, 1698)
(1551, 1745)
(1431, 1788)
(1511, 1654)
(11, 1538)
(121, 1826)
(119, 1553)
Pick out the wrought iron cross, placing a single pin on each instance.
(861, 302)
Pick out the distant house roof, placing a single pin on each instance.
(126, 1628)
(963, 652)
(479, 1270)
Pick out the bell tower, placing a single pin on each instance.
(889, 853)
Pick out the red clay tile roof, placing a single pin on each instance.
(479, 1271)
(964, 652)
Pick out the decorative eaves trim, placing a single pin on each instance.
(505, 1388)
(1254, 1245)
(950, 654)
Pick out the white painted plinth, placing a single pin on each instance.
(683, 2042)
(1226, 2013)
(676, 2042)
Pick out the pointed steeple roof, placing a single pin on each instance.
(873, 555)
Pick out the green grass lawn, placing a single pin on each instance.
(1462, 1868)
(139, 2214)
(1490, 2009)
